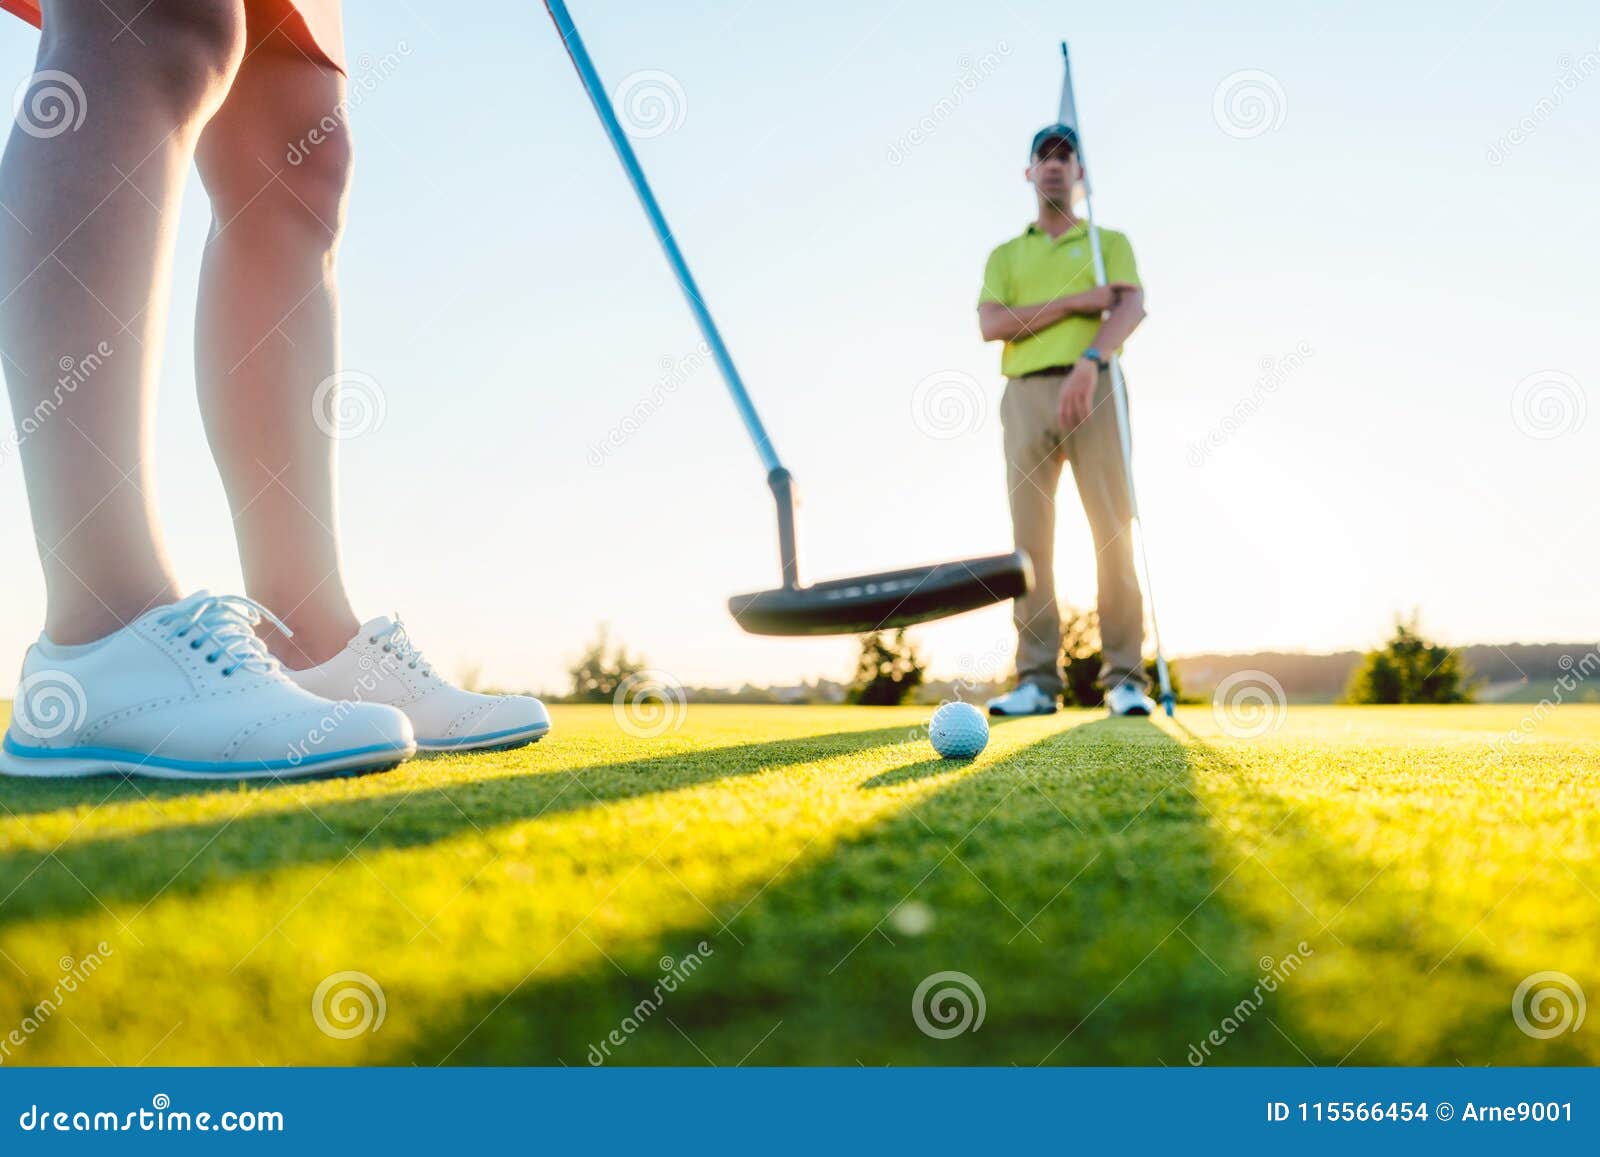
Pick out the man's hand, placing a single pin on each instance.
(1077, 394)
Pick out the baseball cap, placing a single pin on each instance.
(1056, 132)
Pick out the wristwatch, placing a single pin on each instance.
(1095, 356)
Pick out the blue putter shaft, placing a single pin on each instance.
(658, 221)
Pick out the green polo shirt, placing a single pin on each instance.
(1033, 268)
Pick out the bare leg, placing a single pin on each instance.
(86, 234)
(275, 161)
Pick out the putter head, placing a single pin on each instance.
(879, 602)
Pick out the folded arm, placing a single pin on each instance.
(1124, 316)
(999, 322)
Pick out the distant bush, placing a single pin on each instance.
(601, 669)
(1410, 669)
(888, 670)
(1082, 656)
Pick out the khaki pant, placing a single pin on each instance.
(1036, 449)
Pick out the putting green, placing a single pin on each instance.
(773, 885)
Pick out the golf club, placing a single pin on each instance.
(1119, 390)
(840, 606)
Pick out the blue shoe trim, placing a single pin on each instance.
(531, 729)
(23, 751)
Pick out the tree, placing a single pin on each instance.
(1410, 669)
(597, 673)
(1082, 655)
(887, 671)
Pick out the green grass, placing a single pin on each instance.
(1113, 886)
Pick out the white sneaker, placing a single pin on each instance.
(381, 665)
(1027, 699)
(187, 691)
(1129, 699)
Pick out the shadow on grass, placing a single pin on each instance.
(20, 796)
(932, 767)
(911, 772)
(1110, 892)
(188, 858)
(1109, 908)
(1389, 979)
(1075, 883)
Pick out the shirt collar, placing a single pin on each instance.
(1079, 228)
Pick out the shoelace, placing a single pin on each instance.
(398, 643)
(227, 623)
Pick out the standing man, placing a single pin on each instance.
(1060, 329)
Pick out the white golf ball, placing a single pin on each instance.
(958, 731)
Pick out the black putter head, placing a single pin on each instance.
(878, 602)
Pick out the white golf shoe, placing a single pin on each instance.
(1027, 699)
(1129, 699)
(187, 691)
(381, 665)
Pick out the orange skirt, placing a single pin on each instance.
(312, 26)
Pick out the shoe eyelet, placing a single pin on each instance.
(211, 658)
(194, 646)
(372, 639)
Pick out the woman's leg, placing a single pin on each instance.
(87, 214)
(276, 162)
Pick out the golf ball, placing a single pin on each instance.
(958, 731)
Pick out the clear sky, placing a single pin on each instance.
(1370, 379)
